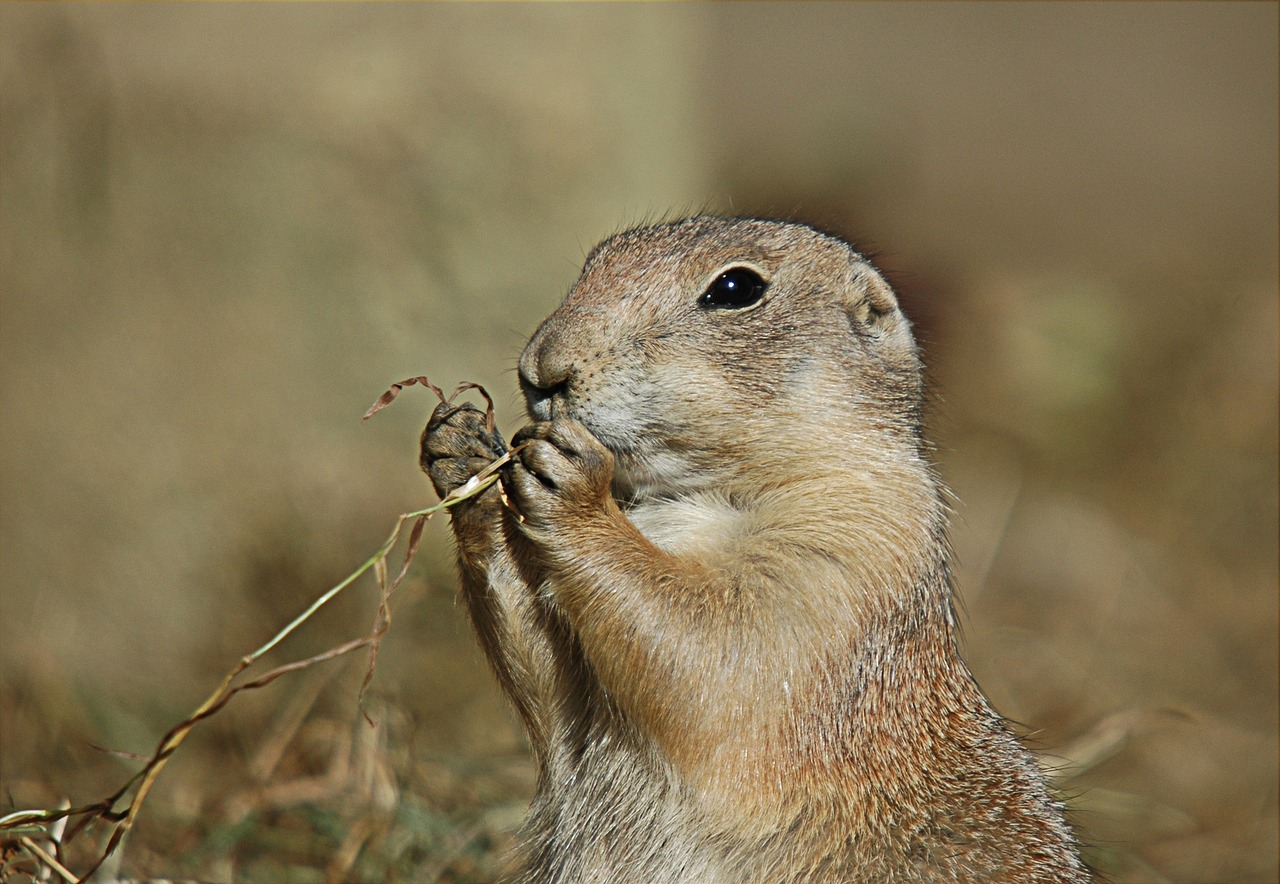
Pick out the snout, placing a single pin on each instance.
(546, 375)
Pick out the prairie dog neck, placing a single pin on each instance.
(701, 524)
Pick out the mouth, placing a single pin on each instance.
(641, 469)
(544, 403)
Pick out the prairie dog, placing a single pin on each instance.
(720, 598)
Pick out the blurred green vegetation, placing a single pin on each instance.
(224, 230)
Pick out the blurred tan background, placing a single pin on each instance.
(225, 230)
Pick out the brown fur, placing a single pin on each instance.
(726, 615)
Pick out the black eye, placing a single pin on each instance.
(734, 289)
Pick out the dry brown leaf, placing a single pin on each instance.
(388, 397)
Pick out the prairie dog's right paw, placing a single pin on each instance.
(457, 444)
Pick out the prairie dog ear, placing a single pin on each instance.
(872, 310)
(869, 300)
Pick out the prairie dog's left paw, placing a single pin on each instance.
(561, 471)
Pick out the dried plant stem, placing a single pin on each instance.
(141, 782)
(48, 860)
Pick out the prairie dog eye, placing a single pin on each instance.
(736, 288)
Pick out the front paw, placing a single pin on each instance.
(561, 472)
(456, 444)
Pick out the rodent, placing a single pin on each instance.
(715, 582)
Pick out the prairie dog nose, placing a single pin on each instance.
(545, 372)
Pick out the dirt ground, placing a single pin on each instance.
(225, 229)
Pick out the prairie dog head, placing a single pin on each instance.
(709, 349)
